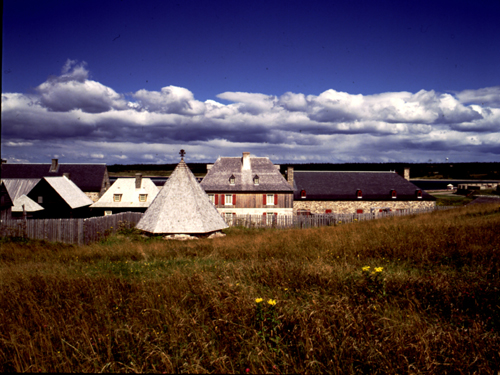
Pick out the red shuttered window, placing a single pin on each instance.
(234, 199)
(275, 199)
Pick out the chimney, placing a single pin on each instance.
(407, 174)
(138, 180)
(289, 176)
(66, 174)
(55, 165)
(246, 161)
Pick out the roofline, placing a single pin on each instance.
(247, 191)
(239, 157)
(58, 164)
(295, 171)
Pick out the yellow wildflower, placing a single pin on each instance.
(272, 302)
(379, 269)
(366, 268)
(258, 300)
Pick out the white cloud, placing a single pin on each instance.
(73, 90)
(489, 96)
(170, 99)
(83, 118)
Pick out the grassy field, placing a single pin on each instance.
(415, 294)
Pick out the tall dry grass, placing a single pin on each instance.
(146, 305)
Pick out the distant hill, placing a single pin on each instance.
(476, 171)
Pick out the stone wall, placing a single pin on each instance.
(349, 207)
(92, 195)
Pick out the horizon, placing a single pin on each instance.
(129, 82)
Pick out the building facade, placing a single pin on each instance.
(324, 192)
(248, 185)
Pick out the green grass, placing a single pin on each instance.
(132, 304)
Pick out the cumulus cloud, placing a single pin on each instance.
(331, 126)
(73, 90)
(489, 96)
(170, 99)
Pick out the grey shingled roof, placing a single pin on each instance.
(88, 177)
(19, 186)
(130, 195)
(29, 204)
(68, 191)
(181, 206)
(270, 178)
(375, 186)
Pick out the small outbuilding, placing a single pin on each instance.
(60, 198)
(181, 207)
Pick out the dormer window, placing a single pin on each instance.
(117, 197)
(359, 194)
(231, 180)
(255, 180)
(303, 194)
(394, 195)
(143, 197)
(418, 193)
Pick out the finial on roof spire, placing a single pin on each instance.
(182, 153)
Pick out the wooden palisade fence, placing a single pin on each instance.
(317, 220)
(86, 231)
(73, 231)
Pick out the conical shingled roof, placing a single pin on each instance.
(181, 207)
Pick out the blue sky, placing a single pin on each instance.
(298, 81)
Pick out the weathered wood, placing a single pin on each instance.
(73, 231)
(86, 231)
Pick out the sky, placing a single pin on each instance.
(133, 82)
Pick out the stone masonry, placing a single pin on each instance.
(348, 207)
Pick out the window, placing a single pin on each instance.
(359, 194)
(231, 180)
(418, 193)
(212, 198)
(270, 200)
(359, 211)
(107, 213)
(143, 197)
(328, 211)
(228, 200)
(394, 195)
(303, 194)
(40, 199)
(255, 180)
(117, 197)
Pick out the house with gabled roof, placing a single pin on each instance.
(323, 192)
(92, 179)
(23, 206)
(248, 185)
(126, 195)
(60, 198)
(181, 207)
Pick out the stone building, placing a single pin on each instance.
(323, 192)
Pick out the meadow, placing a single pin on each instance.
(416, 294)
